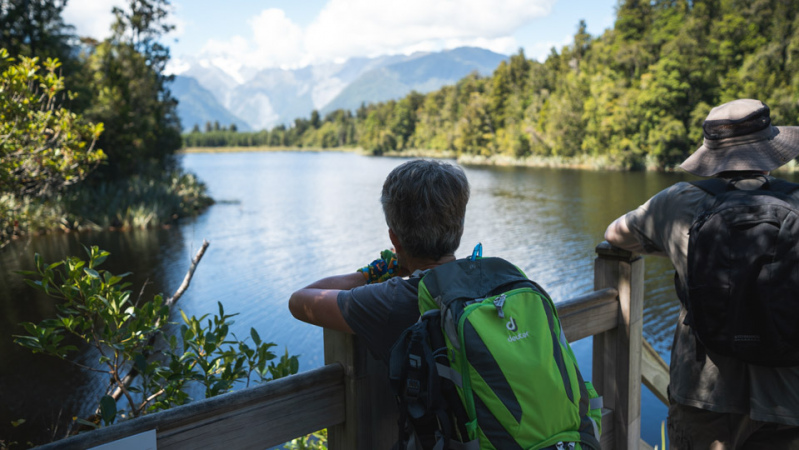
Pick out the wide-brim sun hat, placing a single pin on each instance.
(739, 137)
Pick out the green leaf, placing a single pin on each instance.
(28, 342)
(100, 259)
(30, 327)
(34, 284)
(16, 423)
(255, 338)
(91, 273)
(87, 423)
(108, 409)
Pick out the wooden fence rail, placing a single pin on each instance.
(350, 394)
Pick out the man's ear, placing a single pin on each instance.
(394, 241)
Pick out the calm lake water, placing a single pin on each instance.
(284, 220)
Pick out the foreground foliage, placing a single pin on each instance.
(313, 441)
(95, 311)
(43, 146)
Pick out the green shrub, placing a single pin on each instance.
(94, 308)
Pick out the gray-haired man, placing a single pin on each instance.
(424, 203)
(719, 402)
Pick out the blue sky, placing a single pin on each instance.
(294, 33)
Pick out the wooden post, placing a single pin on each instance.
(617, 353)
(371, 409)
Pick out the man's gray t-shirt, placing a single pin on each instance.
(380, 312)
(715, 383)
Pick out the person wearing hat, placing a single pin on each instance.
(718, 402)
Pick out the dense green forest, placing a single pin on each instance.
(89, 129)
(634, 97)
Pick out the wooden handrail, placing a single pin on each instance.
(589, 314)
(350, 394)
(256, 418)
(655, 372)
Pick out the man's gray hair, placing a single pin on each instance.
(425, 205)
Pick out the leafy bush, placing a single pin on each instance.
(95, 309)
(43, 146)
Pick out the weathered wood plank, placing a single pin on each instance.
(617, 353)
(371, 409)
(633, 344)
(655, 372)
(590, 314)
(271, 413)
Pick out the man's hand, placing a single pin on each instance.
(382, 269)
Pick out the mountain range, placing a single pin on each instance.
(265, 98)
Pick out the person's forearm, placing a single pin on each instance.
(339, 282)
(316, 303)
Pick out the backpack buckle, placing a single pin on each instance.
(412, 388)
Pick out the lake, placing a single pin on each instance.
(283, 220)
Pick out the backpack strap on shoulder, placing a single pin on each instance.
(781, 186)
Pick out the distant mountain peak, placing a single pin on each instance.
(268, 97)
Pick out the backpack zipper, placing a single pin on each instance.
(498, 303)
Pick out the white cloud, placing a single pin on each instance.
(274, 41)
(93, 18)
(367, 27)
(348, 28)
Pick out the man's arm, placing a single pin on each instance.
(619, 235)
(317, 303)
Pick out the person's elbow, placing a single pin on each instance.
(318, 307)
(298, 305)
(612, 234)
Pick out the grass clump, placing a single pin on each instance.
(134, 202)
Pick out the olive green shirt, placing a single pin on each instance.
(716, 383)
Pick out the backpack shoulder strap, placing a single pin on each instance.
(781, 186)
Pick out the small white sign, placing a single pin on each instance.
(141, 441)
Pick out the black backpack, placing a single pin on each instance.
(743, 273)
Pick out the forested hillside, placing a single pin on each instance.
(633, 97)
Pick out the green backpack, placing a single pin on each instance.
(487, 365)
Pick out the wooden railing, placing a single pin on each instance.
(350, 395)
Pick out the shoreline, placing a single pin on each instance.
(582, 162)
(585, 162)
